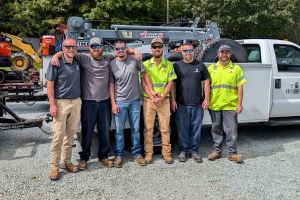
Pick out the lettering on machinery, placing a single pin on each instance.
(145, 34)
(294, 89)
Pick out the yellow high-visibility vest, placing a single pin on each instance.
(159, 75)
(224, 85)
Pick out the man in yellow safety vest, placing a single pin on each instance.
(226, 98)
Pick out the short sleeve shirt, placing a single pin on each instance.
(66, 79)
(189, 89)
(159, 75)
(125, 76)
(94, 76)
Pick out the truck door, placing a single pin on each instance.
(286, 80)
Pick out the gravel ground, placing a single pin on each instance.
(271, 169)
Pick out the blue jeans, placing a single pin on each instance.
(189, 124)
(92, 113)
(132, 110)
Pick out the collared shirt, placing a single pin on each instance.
(66, 79)
(159, 75)
(224, 85)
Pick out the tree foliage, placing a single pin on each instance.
(236, 18)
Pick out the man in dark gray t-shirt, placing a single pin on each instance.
(125, 100)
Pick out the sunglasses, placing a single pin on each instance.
(157, 47)
(70, 47)
(96, 46)
(121, 49)
(188, 50)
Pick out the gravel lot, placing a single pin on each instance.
(271, 169)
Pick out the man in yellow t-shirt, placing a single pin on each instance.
(156, 100)
(226, 98)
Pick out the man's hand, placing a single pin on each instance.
(115, 109)
(239, 109)
(173, 105)
(55, 61)
(137, 54)
(53, 110)
(205, 104)
(158, 99)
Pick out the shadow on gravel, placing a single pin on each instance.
(19, 144)
(255, 141)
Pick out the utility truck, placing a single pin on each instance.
(271, 67)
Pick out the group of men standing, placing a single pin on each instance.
(112, 84)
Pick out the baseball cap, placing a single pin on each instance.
(95, 40)
(157, 40)
(224, 47)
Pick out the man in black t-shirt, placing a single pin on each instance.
(189, 101)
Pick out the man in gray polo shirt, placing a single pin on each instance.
(63, 89)
(96, 109)
(125, 100)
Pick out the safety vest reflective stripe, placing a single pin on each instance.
(224, 86)
(239, 79)
(158, 85)
(171, 74)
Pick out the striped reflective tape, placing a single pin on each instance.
(223, 86)
(159, 85)
(239, 79)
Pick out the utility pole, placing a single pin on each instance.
(167, 11)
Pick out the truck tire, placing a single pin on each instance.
(20, 62)
(146, 56)
(2, 76)
(174, 56)
(239, 54)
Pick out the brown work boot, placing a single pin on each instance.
(54, 174)
(235, 158)
(140, 161)
(148, 158)
(71, 168)
(82, 165)
(118, 162)
(62, 165)
(168, 159)
(214, 156)
(106, 162)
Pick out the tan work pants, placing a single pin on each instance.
(163, 112)
(64, 127)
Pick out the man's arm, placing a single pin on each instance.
(173, 98)
(162, 97)
(137, 54)
(149, 83)
(205, 103)
(55, 58)
(50, 94)
(239, 108)
(146, 89)
(114, 106)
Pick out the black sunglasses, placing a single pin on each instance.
(70, 47)
(121, 49)
(96, 46)
(157, 46)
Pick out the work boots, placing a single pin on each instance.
(168, 159)
(54, 174)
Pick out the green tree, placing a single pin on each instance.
(248, 18)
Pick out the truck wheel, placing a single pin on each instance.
(20, 62)
(239, 54)
(174, 56)
(146, 56)
(2, 76)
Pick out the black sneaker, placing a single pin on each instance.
(196, 157)
(182, 157)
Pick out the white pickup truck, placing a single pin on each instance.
(271, 94)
